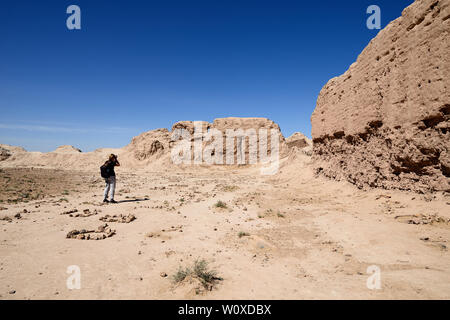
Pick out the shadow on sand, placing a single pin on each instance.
(133, 200)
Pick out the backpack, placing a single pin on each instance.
(105, 171)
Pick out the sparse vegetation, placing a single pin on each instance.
(28, 184)
(199, 271)
(243, 234)
(220, 204)
(181, 274)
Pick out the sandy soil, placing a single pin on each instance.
(289, 236)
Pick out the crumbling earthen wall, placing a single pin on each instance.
(161, 141)
(386, 121)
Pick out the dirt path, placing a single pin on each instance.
(284, 237)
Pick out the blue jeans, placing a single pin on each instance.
(110, 187)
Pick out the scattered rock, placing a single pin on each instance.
(84, 214)
(382, 196)
(70, 211)
(432, 219)
(102, 232)
(118, 218)
(6, 218)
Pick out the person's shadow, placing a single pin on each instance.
(133, 200)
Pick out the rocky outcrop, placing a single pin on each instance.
(386, 121)
(298, 140)
(150, 143)
(264, 128)
(4, 154)
(247, 131)
(67, 149)
(160, 141)
(7, 151)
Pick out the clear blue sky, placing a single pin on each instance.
(141, 65)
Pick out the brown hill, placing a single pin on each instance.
(67, 149)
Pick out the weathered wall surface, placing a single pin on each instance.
(386, 121)
(159, 142)
(150, 143)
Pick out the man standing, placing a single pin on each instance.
(110, 179)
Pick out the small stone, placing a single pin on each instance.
(163, 274)
(12, 292)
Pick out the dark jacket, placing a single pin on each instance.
(110, 167)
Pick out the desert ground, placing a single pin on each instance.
(359, 211)
(293, 235)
